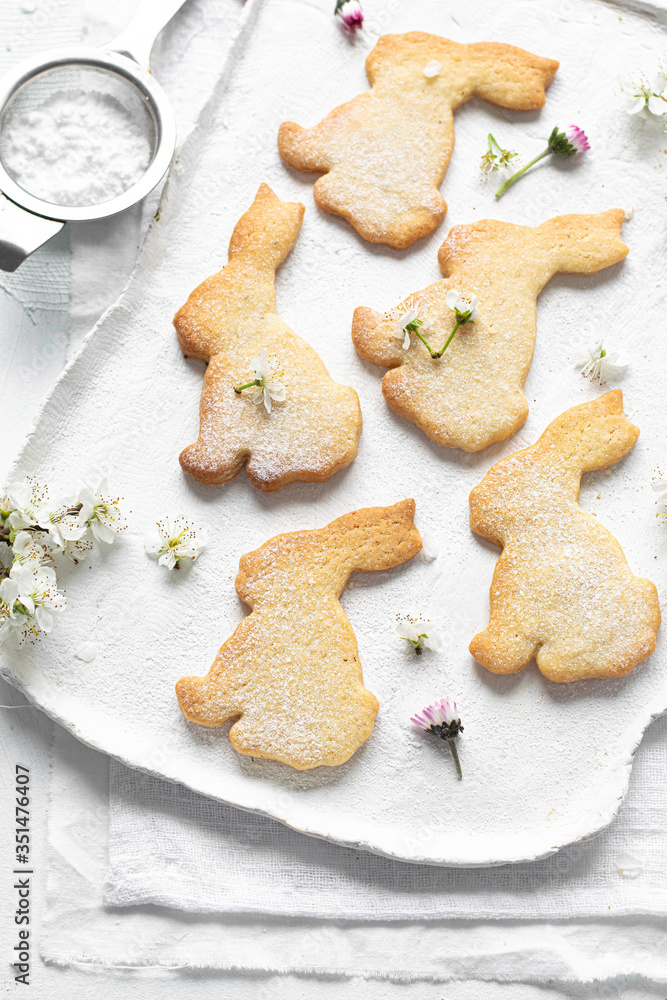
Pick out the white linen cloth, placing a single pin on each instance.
(172, 847)
(611, 956)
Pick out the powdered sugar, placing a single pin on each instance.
(78, 147)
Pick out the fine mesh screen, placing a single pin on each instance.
(77, 135)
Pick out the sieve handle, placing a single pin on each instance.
(21, 233)
(137, 39)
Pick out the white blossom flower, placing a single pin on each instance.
(595, 363)
(24, 502)
(647, 100)
(100, 514)
(26, 550)
(267, 379)
(39, 596)
(465, 306)
(403, 319)
(61, 521)
(432, 68)
(173, 541)
(414, 631)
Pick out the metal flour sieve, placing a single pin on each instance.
(114, 78)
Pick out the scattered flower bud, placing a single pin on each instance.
(350, 14)
(432, 68)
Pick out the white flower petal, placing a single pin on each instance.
(657, 106)
(432, 68)
(168, 559)
(636, 104)
(627, 865)
(44, 619)
(452, 298)
(277, 392)
(406, 630)
(433, 640)
(87, 652)
(102, 532)
(430, 547)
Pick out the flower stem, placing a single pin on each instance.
(515, 177)
(239, 388)
(424, 342)
(455, 755)
(449, 339)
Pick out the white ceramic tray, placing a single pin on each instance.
(544, 765)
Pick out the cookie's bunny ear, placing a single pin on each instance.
(583, 244)
(593, 435)
(378, 538)
(509, 76)
(268, 230)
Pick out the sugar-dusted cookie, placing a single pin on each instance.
(385, 153)
(291, 670)
(472, 396)
(562, 591)
(313, 427)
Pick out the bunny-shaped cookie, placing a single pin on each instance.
(562, 591)
(291, 669)
(472, 396)
(230, 319)
(385, 152)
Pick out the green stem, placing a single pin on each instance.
(492, 139)
(424, 342)
(455, 755)
(239, 388)
(440, 353)
(515, 177)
